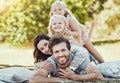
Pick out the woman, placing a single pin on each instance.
(41, 51)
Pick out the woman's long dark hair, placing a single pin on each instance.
(37, 54)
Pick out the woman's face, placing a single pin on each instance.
(43, 46)
(58, 25)
(58, 9)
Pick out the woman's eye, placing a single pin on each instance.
(41, 49)
(45, 44)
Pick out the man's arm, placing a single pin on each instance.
(91, 74)
(41, 76)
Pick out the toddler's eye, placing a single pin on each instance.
(60, 9)
(54, 10)
(54, 23)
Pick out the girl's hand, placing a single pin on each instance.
(47, 65)
(65, 73)
(68, 32)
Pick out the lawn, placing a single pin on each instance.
(24, 55)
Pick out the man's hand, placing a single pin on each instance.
(65, 73)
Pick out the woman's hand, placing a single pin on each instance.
(47, 65)
(65, 73)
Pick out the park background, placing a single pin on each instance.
(22, 20)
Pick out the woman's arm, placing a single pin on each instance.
(44, 64)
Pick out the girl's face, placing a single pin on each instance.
(58, 25)
(58, 9)
(43, 46)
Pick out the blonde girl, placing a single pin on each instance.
(75, 27)
(59, 7)
(58, 26)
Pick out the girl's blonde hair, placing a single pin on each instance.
(68, 13)
(54, 17)
(56, 3)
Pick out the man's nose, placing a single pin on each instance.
(60, 54)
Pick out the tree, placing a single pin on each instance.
(27, 18)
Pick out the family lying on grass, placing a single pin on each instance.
(65, 53)
(57, 60)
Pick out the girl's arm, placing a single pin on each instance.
(93, 51)
(74, 28)
(91, 28)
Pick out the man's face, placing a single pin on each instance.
(61, 53)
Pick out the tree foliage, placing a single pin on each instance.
(27, 18)
(108, 21)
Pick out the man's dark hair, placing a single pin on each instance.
(57, 40)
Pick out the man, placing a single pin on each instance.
(61, 59)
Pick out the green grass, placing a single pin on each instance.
(24, 55)
(109, 51)
(16, 55)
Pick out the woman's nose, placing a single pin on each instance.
(46, 50)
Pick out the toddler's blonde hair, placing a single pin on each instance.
(52, 33)
(54, 17)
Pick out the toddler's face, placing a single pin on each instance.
(58, 25)
(58, 9)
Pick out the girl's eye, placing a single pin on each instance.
(60, 23)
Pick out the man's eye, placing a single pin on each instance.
(63, 50)
(56, 51)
